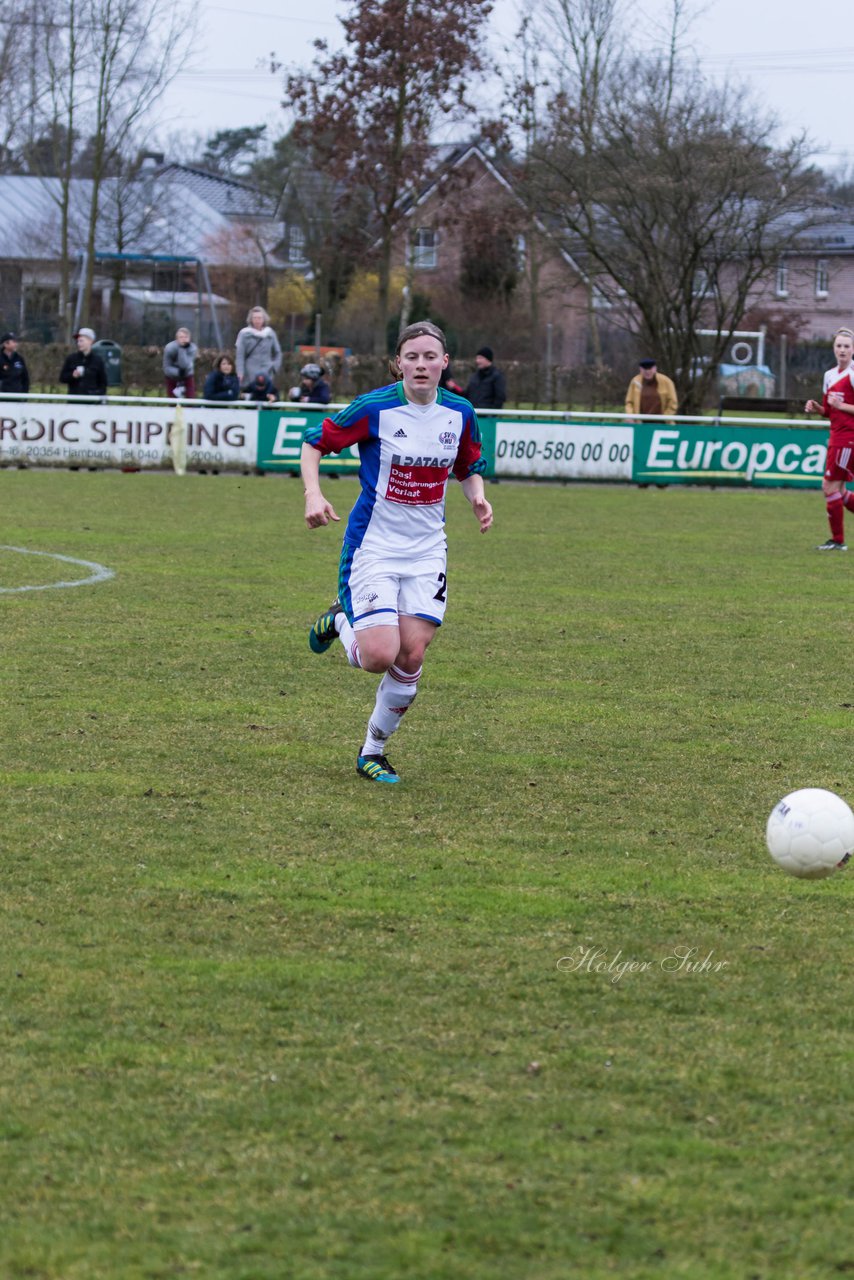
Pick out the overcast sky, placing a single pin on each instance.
(785, 49)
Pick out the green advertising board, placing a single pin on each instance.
(280, 434)
(655, 453)
(557, 448)
(692, 453)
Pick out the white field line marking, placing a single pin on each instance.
(100, 572)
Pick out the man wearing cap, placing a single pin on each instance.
(486, 388)
(312, 388)
(650, 392)
(84, 372)
(14, 376)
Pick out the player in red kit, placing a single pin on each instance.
(838, 405)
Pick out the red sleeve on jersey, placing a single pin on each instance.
(333, 438)
(839, 419)
(468, 453)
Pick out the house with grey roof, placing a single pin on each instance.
(814, 284)
(174, 246)
(229, 197)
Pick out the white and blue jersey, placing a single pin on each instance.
(407, 453)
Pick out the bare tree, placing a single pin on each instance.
(668, 191)
(247, 246)
(136, 56)
(524, 86)
(370, 110)
(65, 56)
(330, 219)
(103, 66)
(588, 47)
(9, 89)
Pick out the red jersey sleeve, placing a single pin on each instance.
(333, 436)
(469, 460)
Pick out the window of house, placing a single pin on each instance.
(701, 283)
(782, 286)
(296, 247)
(821, 278)
(521, 252)
(425, 249)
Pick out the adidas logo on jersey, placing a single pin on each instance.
(400, 435)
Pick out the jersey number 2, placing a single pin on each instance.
(443, 584)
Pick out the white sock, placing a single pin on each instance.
(347, 636)
(395, 695)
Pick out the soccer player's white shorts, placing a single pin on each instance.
(375, 590)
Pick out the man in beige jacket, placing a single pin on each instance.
(650, 392)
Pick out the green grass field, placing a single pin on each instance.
(263, 1020)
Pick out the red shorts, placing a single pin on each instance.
(840, 462)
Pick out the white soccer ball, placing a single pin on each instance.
(811, 833)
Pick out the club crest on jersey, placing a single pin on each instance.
(447, 437)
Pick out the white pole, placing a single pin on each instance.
(549, 379)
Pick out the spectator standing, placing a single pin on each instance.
(650, 392)
(84, 372)
(263, 390)
(486, 387)
(179, 364)
(14, 376)
(313, 388)
(222, 383)
(257, 349)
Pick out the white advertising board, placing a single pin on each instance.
(556, 450)
(118, 435)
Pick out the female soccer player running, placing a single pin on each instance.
(838, 405)
(392, 583)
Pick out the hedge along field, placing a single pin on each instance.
(547, 1008)
(576, 387)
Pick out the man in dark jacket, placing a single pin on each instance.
(486, 389)
(262, 390)
(84, 372)
(14, 377)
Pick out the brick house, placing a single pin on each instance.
(814, 286)
(490, 267)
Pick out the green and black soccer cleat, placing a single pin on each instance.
(323, 633)
(376, 769)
